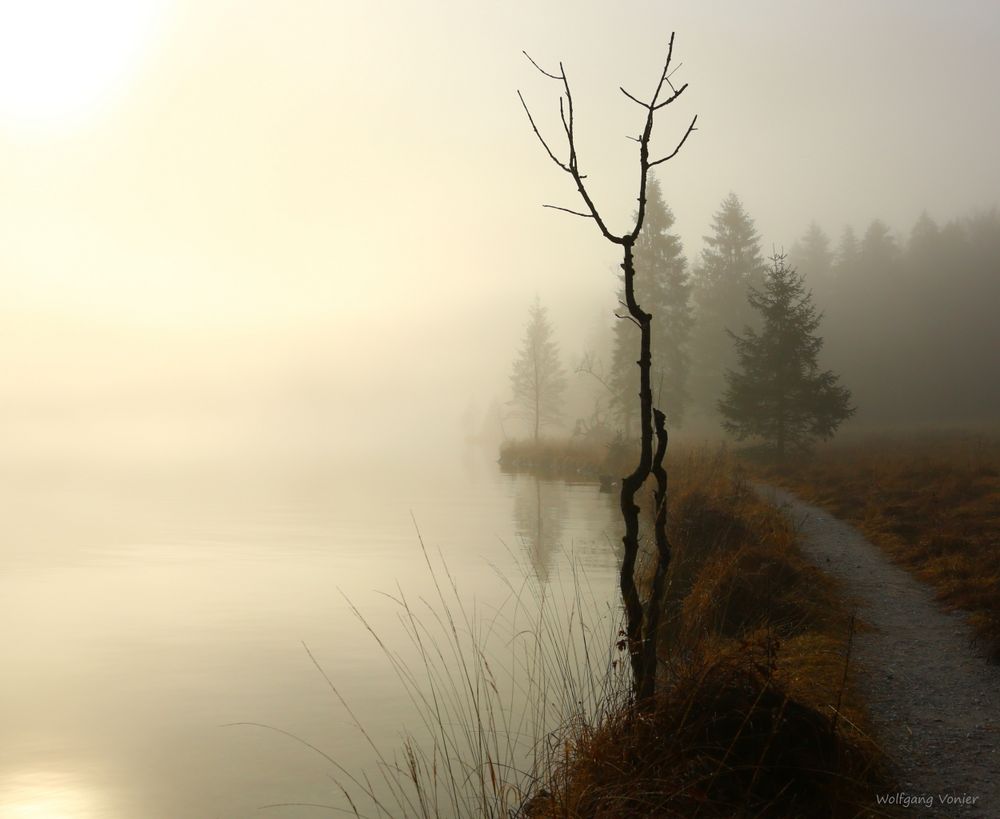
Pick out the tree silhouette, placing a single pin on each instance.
(539, 511)
(779, 393)
(813, 258)
(847, 255)
(879, 250)
(812, 255)
(641, 643)
(538, 380)
(730, 263)
(663, 286)
(921, 309)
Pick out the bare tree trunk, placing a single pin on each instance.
(632, 483)
(781, 419)
(641, 644)
(537, 417)
(538, 399)
(662, 562)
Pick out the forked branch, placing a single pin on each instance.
(680, 144)
(641, 643)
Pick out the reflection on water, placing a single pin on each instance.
(145, 607)
(49, 795)
(539, 523)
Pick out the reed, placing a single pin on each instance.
(758, 713)
(526, 710)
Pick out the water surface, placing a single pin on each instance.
(146, 605)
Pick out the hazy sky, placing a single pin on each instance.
(297, 215)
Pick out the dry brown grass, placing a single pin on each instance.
(931, 501)
(566, 459)
(757, 714)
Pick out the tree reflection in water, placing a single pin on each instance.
(539, 512)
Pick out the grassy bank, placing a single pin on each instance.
(757, 715)
(932, 502)
(570, 459)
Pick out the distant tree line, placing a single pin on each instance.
(912, 324)
(909, 323)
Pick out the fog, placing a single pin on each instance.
(265, 267)
(322, 227)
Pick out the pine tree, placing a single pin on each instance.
(731, 262)
(925, 239)
(538, 380)
(779, 393)
(848, 253)
(812, 256)
(663, 287)
(879, 251)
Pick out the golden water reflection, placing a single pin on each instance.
(40, 794)
(152, 604)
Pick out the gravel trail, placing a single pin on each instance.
(933, 697)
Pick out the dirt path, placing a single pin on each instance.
(934, 699)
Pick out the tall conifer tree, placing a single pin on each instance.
(538, 380)
(731, 262)
(663, 287)
(778, 393)
(848, 253)
(811, 255)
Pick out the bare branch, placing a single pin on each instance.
(637, 101)
(571, 166)
(641, 645)
(567, 210)
(536, 65)
(569, 125)
(566, 128)
(663, 75)
(680, 144)
(671, 98)
(667, 78)
(588, 366)
(630, 318)
(538, 134)
(647, 132)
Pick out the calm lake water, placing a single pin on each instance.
(146, 606)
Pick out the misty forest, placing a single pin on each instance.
(513, 412)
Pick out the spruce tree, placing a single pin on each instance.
(925, 239)
(731, 262)
(812, 256)
(778, 393)
(538, 380)
(663, 287)
(879, 251)
(848, 253)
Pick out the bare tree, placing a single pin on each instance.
(641, 642)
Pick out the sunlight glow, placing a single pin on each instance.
(61, 59)
(46, 795)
